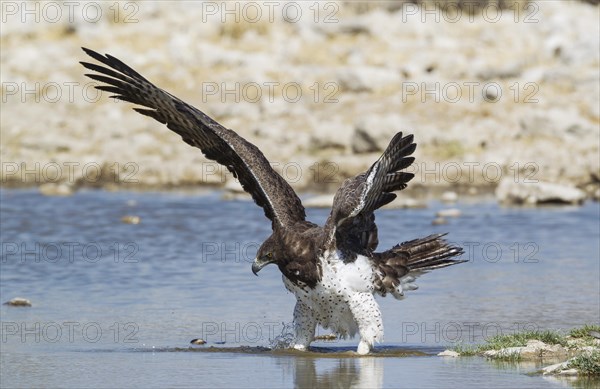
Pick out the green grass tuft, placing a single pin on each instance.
(466, 349)
(520, 339)
(584, 332)
(500, 342)
(587, 363)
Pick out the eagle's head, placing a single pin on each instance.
(267, 253)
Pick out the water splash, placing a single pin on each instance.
(285, 339)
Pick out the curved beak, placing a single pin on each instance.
(258, 264)
(256, 268)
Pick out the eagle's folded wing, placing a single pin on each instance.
(351, 224)
(247, 163)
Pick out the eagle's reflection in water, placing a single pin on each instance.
(338, 373)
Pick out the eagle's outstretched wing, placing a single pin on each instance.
(247, 163)
(351, 225)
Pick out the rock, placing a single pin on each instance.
(491, 71)
(553, 369)
(569, 372)
(233, 196)
(536, 348)
(110, 187)
(511, 192)
(557, 123)
(351, 27)
(448, 353)
(449, 197)
(405, 202)
(438, 221)
(198, 341)
(331, 135)
(582, 344)
(326, 201)
(533, 349)
(52, 189)
(321, 201)
(503, 353)
(18, 302)
(131, 219)
(450, 212)
(373, 133)
(367, 78)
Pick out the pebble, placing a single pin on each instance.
(326, 201)
(131, 219)
(18, 302)
(448, 353)
(52, 189)
(449, 197)
(450, 212)
(406, 202)
(540, 192)
(554, 368)
(438, 221)
(110, 187)
(533, 349)
(569, 372)
(473, 191)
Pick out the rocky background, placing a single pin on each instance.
(501, 96)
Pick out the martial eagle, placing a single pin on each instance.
(334, 270)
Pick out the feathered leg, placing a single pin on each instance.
(368, 317)
(304, 326)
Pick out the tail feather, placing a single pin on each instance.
(431, 252)
(413, 257)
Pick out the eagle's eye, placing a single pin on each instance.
(269, 255)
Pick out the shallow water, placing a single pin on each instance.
(116, 305)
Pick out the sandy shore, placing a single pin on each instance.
(491, 97)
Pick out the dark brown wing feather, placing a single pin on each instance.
(247, 163)
(351, 224)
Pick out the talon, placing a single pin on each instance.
(363, 348)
